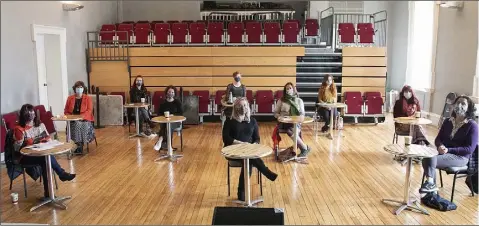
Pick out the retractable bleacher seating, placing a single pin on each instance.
(374, 105)
(161, 34)
(197, 33)
(124, 33)
(354, 105)
(204, 102)
(141, 35)
(215, 33)
(291, 32)
(311, 27)
(107, 34)
(179, 32)
(272, 32)
(250, 98)
(254, 33)
(235, 33)
(217, 102)
(346, 33)
(264, 102)
(365, 33)
(157, 99)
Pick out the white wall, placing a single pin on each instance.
(317, 6)
(18, 71)
(397, 43)
(161, 10)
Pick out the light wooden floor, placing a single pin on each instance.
(118, 183)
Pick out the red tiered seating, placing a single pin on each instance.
(215, 33)
(142, 36)
(107, 33)
(197, 33)
(10, 119)
(143, 25)
(157, 99)
(264, 102)
(253, 32)
(294, 21)
(311, 27)
(161, 34)
(346, 32)
(250, 98)
(366, 33)
(122, 94)
(186, 93)
(278, 94)
(235, 32)
(354, 105)
(374, 105)
(291, 32)
(143, 22)
(217, 103)
(367, 94)
(272, 32)
(124, 33)
(179, 31)
(171, 22)
(128, 22)
(204, 101)
(3, 137)
(187, 21)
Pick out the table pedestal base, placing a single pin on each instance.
(410, 205)
(57, 202)
(138, 135)
(252, 202)
(298, 159)
(171, 157)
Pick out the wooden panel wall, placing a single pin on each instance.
(198, 68)
(364, 69)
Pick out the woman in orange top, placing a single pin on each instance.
(329, 94)
(82, 132)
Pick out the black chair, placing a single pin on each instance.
(238, 164)
(459, 172)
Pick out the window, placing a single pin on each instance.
(421, 35)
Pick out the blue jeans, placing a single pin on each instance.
(41, 161)
(325, 113)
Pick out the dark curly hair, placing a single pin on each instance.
(25, 113)
(471, 108)
(171, 87)
(82, 84)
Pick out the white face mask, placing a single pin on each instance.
(79, 91)
(461, 108)
(329, 82)
(290, 92)
(407, 95)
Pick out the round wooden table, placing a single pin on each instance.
(412, 121)
(168, 121)
(409, 151)
(295, 120)
(331, 106)
(137, 106)
(68, 119)
(246, 152)
(57, 150)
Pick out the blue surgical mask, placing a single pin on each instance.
(79, 90)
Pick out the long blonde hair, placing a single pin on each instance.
(238, 110)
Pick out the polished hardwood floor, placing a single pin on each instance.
(118, 182)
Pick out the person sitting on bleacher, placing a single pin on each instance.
(406, 106)
(30, 130)
(327, 94)
(291, 105)
(237, 90)
(172, 105)
(137, 92)
(82, 132)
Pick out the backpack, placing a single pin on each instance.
(435, 201)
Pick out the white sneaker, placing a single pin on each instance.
(157, 146)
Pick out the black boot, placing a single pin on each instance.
(66, 176)
(241, 195)
(270, 175)
(325, 128)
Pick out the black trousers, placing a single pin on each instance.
(326, 114)
(258, 163)
(41, 161)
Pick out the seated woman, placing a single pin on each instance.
(456, 141)
(82, 132)
(31, 131)
(138, 91)
(241, 128)
(327, 94)
(406, 106)
(291, 105)
(172, 105)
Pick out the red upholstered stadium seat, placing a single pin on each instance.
(143, 22)
(142, 35)
(124, 32)
(368, 94)
(264, 101)
(272, 32)
(354, 102)
(179, 31)
(171, 22)
(294, 21)
(204, 101)
(311, 27)
(3, 133)
(186, 93)
(10, 119)
(122, 94)
(161, 34)
(374, 105)
(197, 32)
(253, 32)
(128, 22)
(235, 32)
(346, 32)
(157, 99)
(366, 33)
(215, 32)
(278, 94)
(143, 25)
(107, 33)
(217, 103)
(290, 32)
(249, 96)
(187, 21)
(41, 109)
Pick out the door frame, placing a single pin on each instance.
(38, 30)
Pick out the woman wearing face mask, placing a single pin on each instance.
(241, 128)
(172, 105)
(291, 105)
(406, 106)
(456, 141)
(237, 89)
(82, 132)
(138, 91)
(31, 131)
(327, 94)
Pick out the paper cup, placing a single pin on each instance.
(14, 197)
(142, 100)
(418, 114)
(407, 140)
(167, 114)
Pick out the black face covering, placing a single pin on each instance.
(237, 79)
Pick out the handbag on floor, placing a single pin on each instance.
(435, 201)
(286, 154)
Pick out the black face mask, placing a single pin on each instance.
(139, 83)
(237, 79)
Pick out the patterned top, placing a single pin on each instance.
(30, 134)
(456, 125)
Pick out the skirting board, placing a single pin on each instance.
(432, 116)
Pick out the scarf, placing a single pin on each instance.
(294, 108)
(410, 108)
